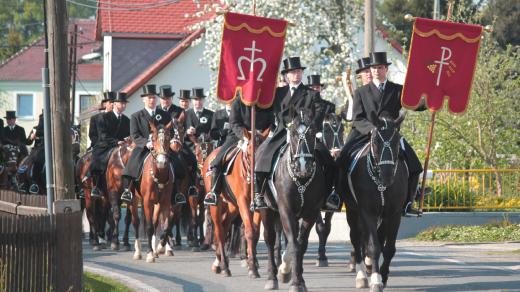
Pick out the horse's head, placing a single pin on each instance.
(76, 138)
(333, 130)
(384, 148)
(11, 155)
(301, 138)
(160, 140)
(178, 133)
(203, 147)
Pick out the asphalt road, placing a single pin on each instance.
(417, 266)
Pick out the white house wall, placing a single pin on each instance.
(107, 62)
(184, 72)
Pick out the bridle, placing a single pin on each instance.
(160, 159)
(336, 142)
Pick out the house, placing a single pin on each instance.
(21, 77)
(151, 46)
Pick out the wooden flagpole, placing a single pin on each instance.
(253, 134)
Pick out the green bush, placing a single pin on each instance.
(492, 232)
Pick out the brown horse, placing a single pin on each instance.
(203, 148)
(96, 210)
(10, 157)
(25, 175)
(155, 189)
(235, 199)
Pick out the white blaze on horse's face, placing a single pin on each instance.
(161, 156)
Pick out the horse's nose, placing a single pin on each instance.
(161, 160)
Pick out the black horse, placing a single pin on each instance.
(297, 192)
(333, 130)
(377, 185)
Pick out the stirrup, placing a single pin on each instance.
(34, 189)
(180, 199)
(126, 196)
(210, 199)
(259, 202)
(409, 211)
(333, 203)
(95, 193)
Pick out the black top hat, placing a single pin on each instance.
(108, 96)
(198, 92)
(314, 80)
(363, 63)
(121, 97)
(10, 115)
(166, 92)
(378, 58)
(184, 94)
(149, 89)
(292, 63)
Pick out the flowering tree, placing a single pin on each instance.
(323, 35)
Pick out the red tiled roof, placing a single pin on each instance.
(169, 19)
(392, 42)
(161, 63)
(27, 63)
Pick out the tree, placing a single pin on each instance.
(323, 36)
(504, 15)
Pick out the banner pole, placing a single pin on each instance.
(430, 133)
(253, 138)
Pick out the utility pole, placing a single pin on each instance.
(60, 107)
(370, 24)
(73, 75)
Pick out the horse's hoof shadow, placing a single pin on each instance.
(322, 263)
(271, 285)
(216, 269)
(284, 278)
(300, 288)
(253, 274)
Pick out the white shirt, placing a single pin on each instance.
(295, 87)
(149, 110)
(376, 83)
(117, 114)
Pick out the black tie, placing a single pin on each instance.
(153, 114)
(293, 89)
(381, 87)
(198, 114)
(119, 117)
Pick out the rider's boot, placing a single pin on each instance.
(259, 200)
(211, 197)
(95, 194)
(126, 196)
(412, 192)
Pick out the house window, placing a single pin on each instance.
(24, 106)
(86, 101)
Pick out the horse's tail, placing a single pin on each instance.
(233, 239)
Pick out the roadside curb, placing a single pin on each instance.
(131, 283)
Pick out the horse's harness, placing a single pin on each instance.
(374, 169)
(302, 151)
(336, 142)
(155, 154)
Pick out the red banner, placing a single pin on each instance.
(441, 64)
(250, 57)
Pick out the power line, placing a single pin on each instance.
(151, 6)
(128, 4)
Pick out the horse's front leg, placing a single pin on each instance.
(148, 207)
(221, 263)
(373, 249)
(114, 225)
(358, 241)
(290, 227)
(269, 220)
(128, 221)
(249, 234)
(392, 228)
(135, 223)
(323, 231)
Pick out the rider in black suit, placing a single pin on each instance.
(373, 99)
(220, 125)
(239, 119)
(198, 118)
(107, 105)
(112, 128)
(140, 134)
(297, 96)
(13, 134)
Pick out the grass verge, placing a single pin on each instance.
(95, 283)
(493, 232)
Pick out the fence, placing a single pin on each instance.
(473, 189)
(38, 252)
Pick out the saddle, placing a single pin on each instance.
(229, 159)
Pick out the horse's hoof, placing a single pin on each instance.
(96, 248)
(204, 246)
(376, 288)
(361, 283)
(284, 278)
(150, 258)
(351, 268)
(271, 285)
(137, 257)
(195, 249)
(127, 247)
(161, 249)
(216, 269)
(155, 255)
(300, 288)
(169, 253)
(253, 274)
(243, 263)
(226, 273)
(322, 263)
(114, 246)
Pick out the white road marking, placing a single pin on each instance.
(132, 283)
(435, 257)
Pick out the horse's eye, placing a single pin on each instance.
(301, 129)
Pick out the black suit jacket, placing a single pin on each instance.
(112, 130)
(93, 128)
(173, 110)
(202, 125)
(14, 137)
(140, 127)
(240, 118)
(217, 132)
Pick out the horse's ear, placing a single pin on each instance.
(152, 127)
(246, 133)
(400, 118)
(181, 118)
(265, 133)
(169, 125)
